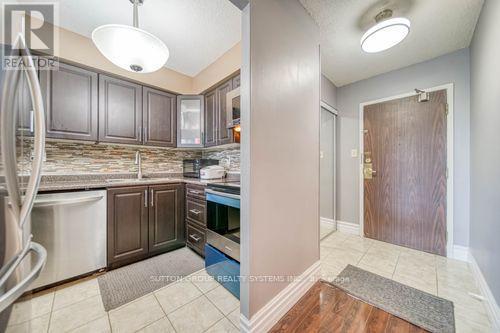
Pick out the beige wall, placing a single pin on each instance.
(280, 173)
(224, 66)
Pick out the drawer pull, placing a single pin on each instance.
(195, 238)
(195, 192)
(195, 211)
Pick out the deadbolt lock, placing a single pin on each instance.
(368, 171)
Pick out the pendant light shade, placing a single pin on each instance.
(129, 47)
(385, 34)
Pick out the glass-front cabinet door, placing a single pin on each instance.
(190, 121)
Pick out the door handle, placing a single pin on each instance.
(47, 203)
(22, 208)
(368, 172)
(10, 296)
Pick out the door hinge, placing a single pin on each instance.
(447, 109)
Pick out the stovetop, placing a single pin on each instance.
(225, 186)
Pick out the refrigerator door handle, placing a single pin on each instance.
(39, 140)
(14, 293)
(22, 208)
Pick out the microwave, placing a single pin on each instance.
(191, 168)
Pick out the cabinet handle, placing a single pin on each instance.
(139, 129)
(195, 211)
(145, 198)
(145, 135)
(195, 192)
(152, 198)
(32, 121)
(195, 238)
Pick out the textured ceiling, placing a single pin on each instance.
(437, 27)
(196, 32)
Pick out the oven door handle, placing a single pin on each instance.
(223, 194)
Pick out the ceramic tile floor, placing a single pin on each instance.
(195, 304)
(447, 278)
(199, 304)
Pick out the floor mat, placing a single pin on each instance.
(427, 311)
(127, 283)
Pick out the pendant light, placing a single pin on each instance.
(388, 32)
(129, 47)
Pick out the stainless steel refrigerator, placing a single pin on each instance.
(22, 142)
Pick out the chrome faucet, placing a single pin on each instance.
(138, 162)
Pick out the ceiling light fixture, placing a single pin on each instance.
(129, 47)
(388, 32)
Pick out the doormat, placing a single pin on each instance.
(427, 311)
(125, 284)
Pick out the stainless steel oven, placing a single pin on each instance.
(222, 250)
(223, 218)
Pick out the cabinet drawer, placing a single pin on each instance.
(196, 238)
(195, 191)
(195, 211)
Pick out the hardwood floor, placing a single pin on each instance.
(326, 308)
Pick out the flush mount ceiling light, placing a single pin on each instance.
(129, 47)
(388, 32)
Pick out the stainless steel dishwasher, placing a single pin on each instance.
(72, 227)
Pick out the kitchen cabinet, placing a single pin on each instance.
(166, 217)
(196, 209)
(190, 121)
(70, 96)
(127, 224)
(120, 111)
(159, 118)
(224, 135)
(144, 221)
(216, 121)
(211, 118)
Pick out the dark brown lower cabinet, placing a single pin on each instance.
(144, 221)
(166, 217)
(127, 224)
(196, 222)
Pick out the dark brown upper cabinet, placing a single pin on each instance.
(224, 135)
(127, 224)
(159, 118)
(71, 109)
(211, 118)
(120, 111)
(166, 217)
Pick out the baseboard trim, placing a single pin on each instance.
(276, 308)
(491, 304)
(348, 227)
(327, 221)
(460, 253)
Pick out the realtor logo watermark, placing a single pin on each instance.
(29, 26)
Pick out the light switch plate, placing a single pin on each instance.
(354, 153)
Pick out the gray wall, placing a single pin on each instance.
(328, 91)
(450, 68)
(280, 211)
(485, 153)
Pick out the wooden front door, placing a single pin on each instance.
(405, 195)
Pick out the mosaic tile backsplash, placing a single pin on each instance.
(80, 158)
(229, 157)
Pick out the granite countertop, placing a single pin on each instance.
(99, 181)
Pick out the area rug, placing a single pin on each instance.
(127, 283)
(427, 311)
